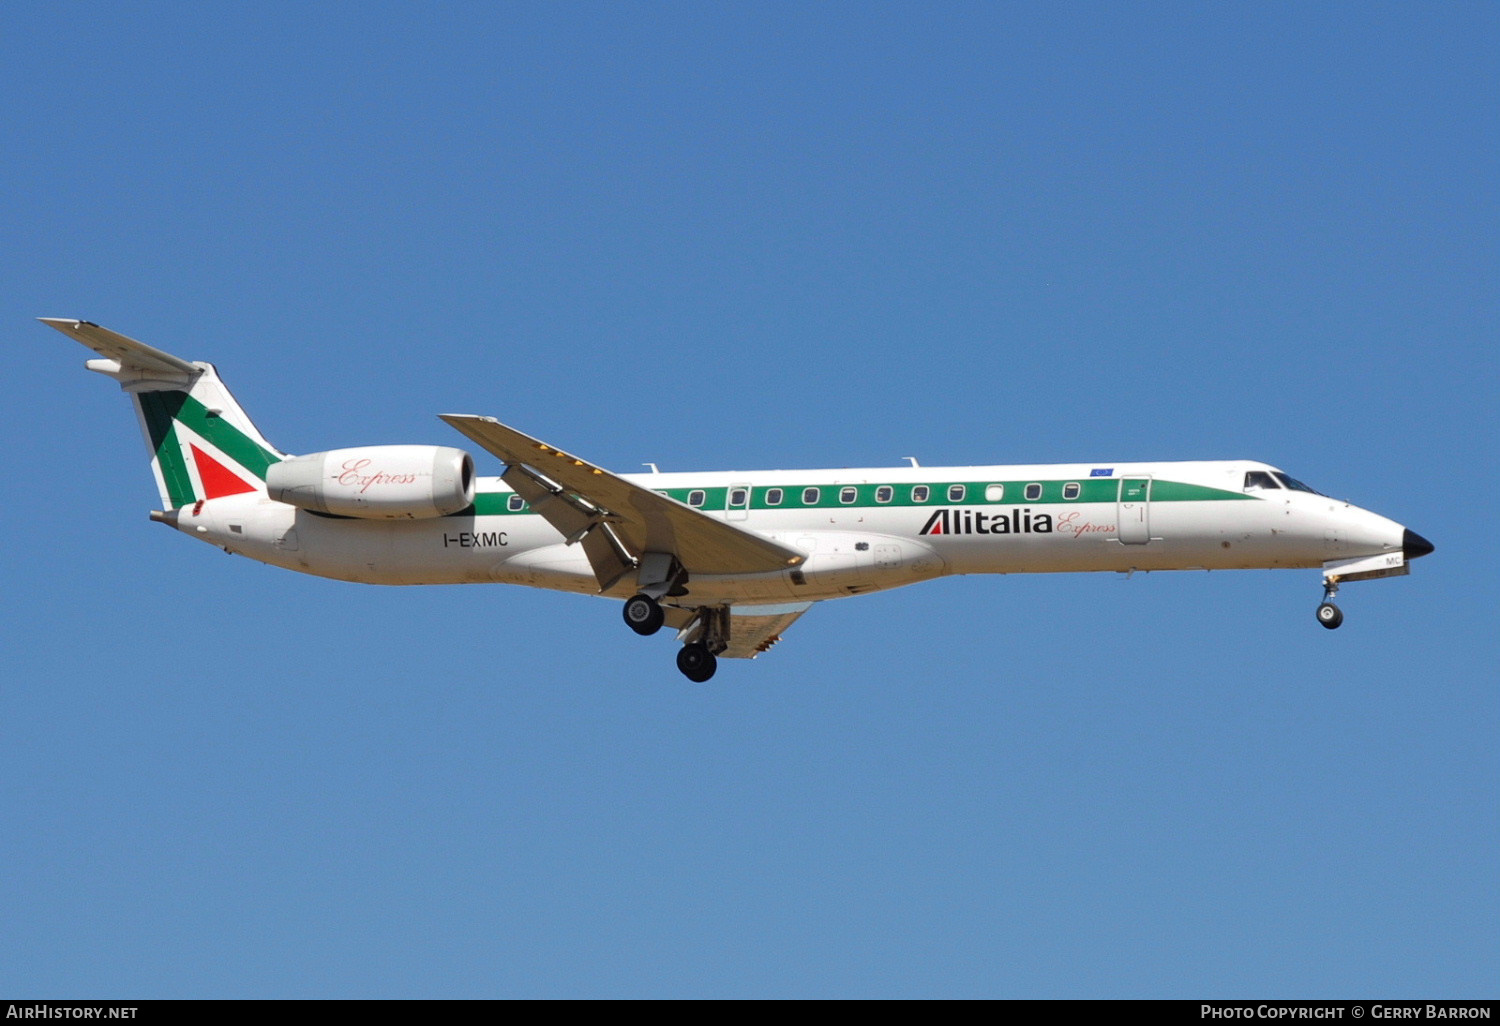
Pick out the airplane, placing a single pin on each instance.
(729, 559)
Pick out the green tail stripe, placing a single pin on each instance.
(159, 409)
(164, 409)
(229, 439)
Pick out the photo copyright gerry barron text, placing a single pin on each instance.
(1348, 1010)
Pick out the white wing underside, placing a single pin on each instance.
(582, 500)
(752, 629)
(618, 524)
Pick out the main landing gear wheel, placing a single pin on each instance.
(696, 662)
(1330, 615)
(644, 614)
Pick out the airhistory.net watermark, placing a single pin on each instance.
(39, 1010)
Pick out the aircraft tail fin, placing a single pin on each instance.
(202, 444)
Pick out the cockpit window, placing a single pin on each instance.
(1294, 484)
(1259, 479)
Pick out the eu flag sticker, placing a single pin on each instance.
(1101, 472)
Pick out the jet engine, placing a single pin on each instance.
(379, 482)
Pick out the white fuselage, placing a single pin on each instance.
(864, 529)
(729, 559)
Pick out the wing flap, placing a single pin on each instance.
(551, 501)
(608, 556)
(579, 494)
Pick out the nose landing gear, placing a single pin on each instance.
(1330, 615)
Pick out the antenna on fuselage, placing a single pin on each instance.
(653, 466)
(913, 460)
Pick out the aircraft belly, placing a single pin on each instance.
(839, 563)
(440, 550)
(525, 550)
(731, 588)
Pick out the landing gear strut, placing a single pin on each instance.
(1330, 615)
(644, 615)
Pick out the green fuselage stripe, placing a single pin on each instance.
(975, 493)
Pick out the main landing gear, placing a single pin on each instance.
(696, 662)
(1330, 615)
(706, 636)
(644, 615)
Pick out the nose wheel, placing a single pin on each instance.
(1330, 615)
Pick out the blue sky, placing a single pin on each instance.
(741, 236)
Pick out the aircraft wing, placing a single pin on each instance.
(754, 629)
(618, 522)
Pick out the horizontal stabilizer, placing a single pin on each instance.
(202, 444)
(134, 359)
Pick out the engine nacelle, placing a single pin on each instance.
(380, 482)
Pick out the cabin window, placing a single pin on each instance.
(994, 492)
(773, 496)
(956, 493)
(1071, 490)
(738, 498)
(696, 497)
(1033, 492)
(919, 493)
(885, 493)
(809, 496)
(514, 503)
(1256, 479)
(848, 495)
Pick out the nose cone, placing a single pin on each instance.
(1414, 545)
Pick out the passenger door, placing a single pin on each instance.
(1135, 510)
